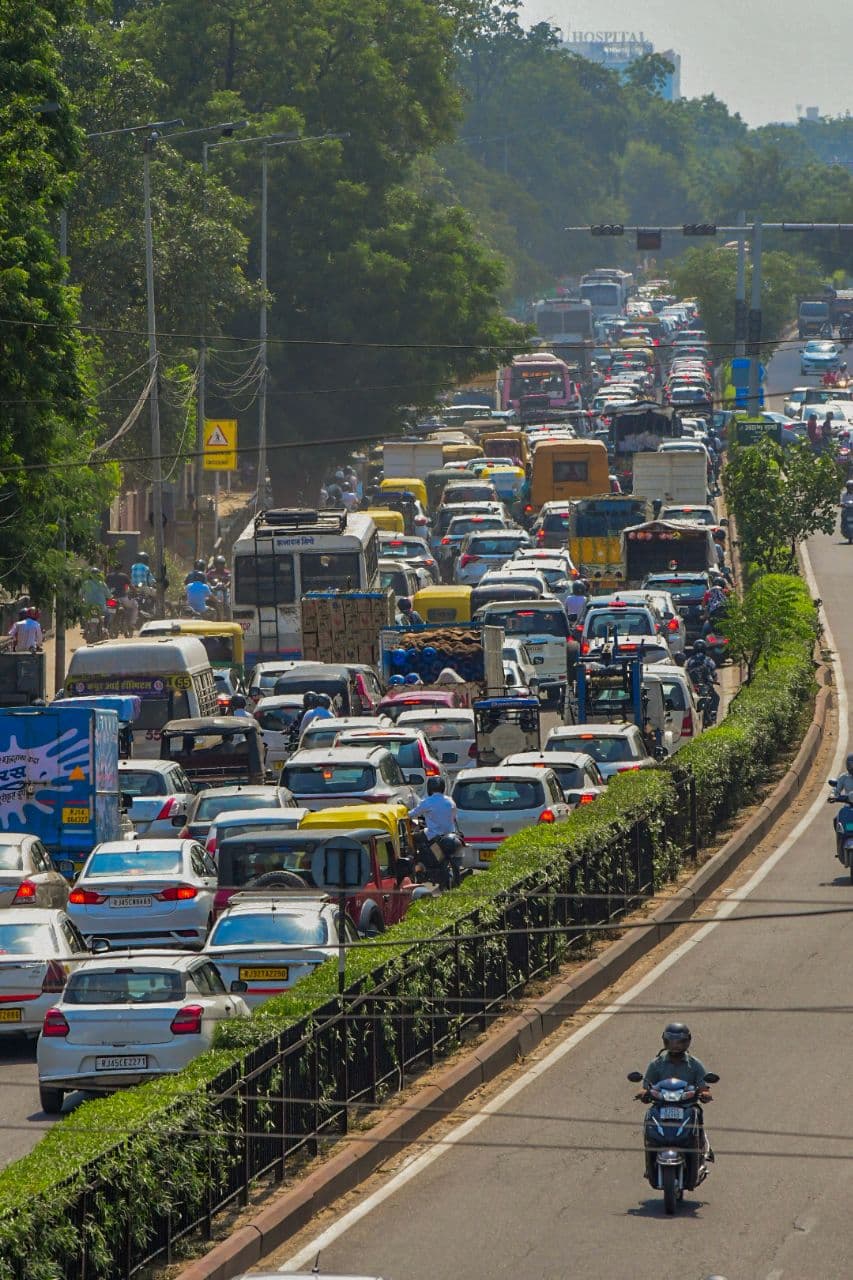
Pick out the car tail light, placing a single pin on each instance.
(86, 897)
(626, 768)
(585, 646)
(540, 536)
(687, 727)
(177, 893)
(586, 797)
(185, 834)
(210, 844)
(55, 1023)
(445, 542)
(547, 815)
(169, 806)
(472, 751)
(465, 558)
(25, 892)
(187, 1021)
(673, 624)
(432, 771)
(54, 978)
(528, 510)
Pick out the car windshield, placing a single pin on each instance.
(268, 679)
(681, 592)
(317, 736)
(695, 515)
(604, 750)
(277, 719)
(11, 857)
(136, 862)
(125, 986)
(210, 804)
(485, 794)
(529, 622)
(470, 524)
(328, 778)
(503, 547)
(29, 939)
(624, 622)
(569, 776)
(139, 782)
(276, 928)
(444, 730)
(556, 521)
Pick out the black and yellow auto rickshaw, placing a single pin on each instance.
(216, 750)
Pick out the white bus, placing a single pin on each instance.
(281, 555)
(173, 677)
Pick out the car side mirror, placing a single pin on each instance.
(636, 1078)
(179, 820)
(238, 986)
(711, 1077)
(100, 946)
(415, 779)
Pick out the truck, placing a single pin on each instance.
(671, 476)
(610, 689)
(411, 458)
(474, 653)
(661, 545)
(640, 429)
(59, 778)
(21, 678)
(813, 314)
(595, 536)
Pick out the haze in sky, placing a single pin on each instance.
(761, 57)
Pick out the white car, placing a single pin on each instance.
(663, 609)
(450, 733)
(240, 821)
(559, 582)
(544, 628)
(521, 666)
(145, 893)
(652, 649)
(268, 941)
(495, 802)
(346, 775)
(683, 717)
(158, 791)
(579, 776)
(39, 947)
(409, 747)
(279, 717)
(127, 1018)
(794, 401)
(820, 356)
(615, 748)
(323, 732)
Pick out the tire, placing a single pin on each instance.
(275, 880)
(51, 1100)
(670, 1188)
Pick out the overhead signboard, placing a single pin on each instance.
(220, 444)
(753, 430)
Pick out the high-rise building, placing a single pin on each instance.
(618, 49)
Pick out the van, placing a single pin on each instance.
(567, 469)
(544, 627)
(506, 444)
(171, 676)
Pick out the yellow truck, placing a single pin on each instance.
(595, 537)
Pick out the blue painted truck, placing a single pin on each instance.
(59, 778)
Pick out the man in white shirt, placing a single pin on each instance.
(576, 602)
(26, 633)
(438, 810)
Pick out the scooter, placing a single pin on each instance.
(672, 1137)
(847, 521)
(843, 825)
(439, 858)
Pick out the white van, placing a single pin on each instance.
(544, 627)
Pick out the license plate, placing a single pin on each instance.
(273, 973)
(11, 1015)
(671, 1113)
(486, 855)
(130, 1062)
(136, 900)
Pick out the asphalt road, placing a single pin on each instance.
(551, 1185)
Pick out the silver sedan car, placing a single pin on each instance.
(146, 893)
(28, 877)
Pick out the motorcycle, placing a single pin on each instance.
(672, 1136)
(705, 701)
(847, 521)
(113, 622)
(438, 858)
(843, 826)
(94, 628)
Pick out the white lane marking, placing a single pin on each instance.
(326, 1238)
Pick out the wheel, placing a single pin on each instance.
(670, 1187)
(51, 1100)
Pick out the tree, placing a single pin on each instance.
(780, 499)
(649, 72)
(761, 624)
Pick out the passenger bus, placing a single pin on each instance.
(171, 676)
(605, 297)
(280, 556)
(563, 321)
(538, 382)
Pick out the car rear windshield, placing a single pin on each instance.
(142, 861)
(602, 749)
(556, 521)
(498, 794)
(504, 547)
(681, 592)
(278, 719)
(277, 929)
(445, 730)
(569, 776)
(625, 622)
(210, 805)
(137, 783)
(694, 514)
(529, 622)
(29, 939)
(318, 736)
(11, 857)
(125, 986)
(470, 493)
(317, 780)
(470, 524)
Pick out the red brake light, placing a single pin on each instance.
(467, 559)
(445, 542)
(547, 815)
(396, 542)
(187, 1021)
(210, 844)
(585, 646)
(528, 510)
(540, 536)
(687, 727)
(177, 893)
(672, 625)
(432, 771)
(25, 892)
(472, 751)
(86, 897)
(586, 797)
(166, 811)
(55, 1023)
(54, 978)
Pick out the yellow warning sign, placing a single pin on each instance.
(220, 444)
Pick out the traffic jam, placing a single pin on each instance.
(478, 626)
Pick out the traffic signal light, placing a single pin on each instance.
(700, 228)
(648, 238)
(608, 229)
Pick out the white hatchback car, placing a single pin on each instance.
(615, 748)
(495, 802)
(145, 893)
(279, 717)
(450, 732)
(158, 791)
(127, 1018)
(38, 949)
(346, 775)
(579, 776)
(270, 940)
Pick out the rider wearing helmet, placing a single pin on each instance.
(844, 783)
(197, 573)
(702, 670)
(675, 1062)
(238, 706)
(140, 572)
(409, 616)
(847, 493)
(576, 602)
(438, 810)
(319, 709)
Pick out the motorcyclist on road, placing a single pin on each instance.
(119, 583)
(197, 573)
(846, 498)
(200, 598)
(702, 670)
(140, 572)
(26, 633)
(675, 1063)
(844, 783)
(218, 572)
(316, 706)
(96, 593)
(438, 810)
(409, 615)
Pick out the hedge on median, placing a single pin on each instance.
(147, 1148)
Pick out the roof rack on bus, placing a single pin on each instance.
(303, 519)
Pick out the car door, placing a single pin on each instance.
(204, 869)
(71, 939)
(393, 900)
(53, 888)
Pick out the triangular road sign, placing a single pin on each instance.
(217, 439)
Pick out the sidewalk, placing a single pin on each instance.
(73, 640)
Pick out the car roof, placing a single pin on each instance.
(31, 915)
(592, 730)
(436, 713)
(16, 837)
(300, 902)
(524, 773)
(140, 959)
(579, 758)
(335, 755)
(255, 789)
(146, 765)
(140, 845)
(258, 816)
(279, 700)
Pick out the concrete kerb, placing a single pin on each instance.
(292, 1209)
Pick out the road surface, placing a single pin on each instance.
(551, 1185)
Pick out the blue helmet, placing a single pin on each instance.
(396, 681)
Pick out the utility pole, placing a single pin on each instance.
(754, 328)
(740, 290)
(261, 489)
(154, 395)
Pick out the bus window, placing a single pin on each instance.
(264, 580)
(325, 571)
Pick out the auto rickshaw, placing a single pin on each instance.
(408, 484)
(223, 641)
(393, 818)
(215, 750)
(443, 603)
(505, 726)
(385, 519)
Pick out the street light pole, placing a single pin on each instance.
(154, 395)
(740, 291)
(755, 322)
(261, 489)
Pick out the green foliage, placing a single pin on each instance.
(772, 614)
(780, 498)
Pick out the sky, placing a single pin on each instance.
(761, 57)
